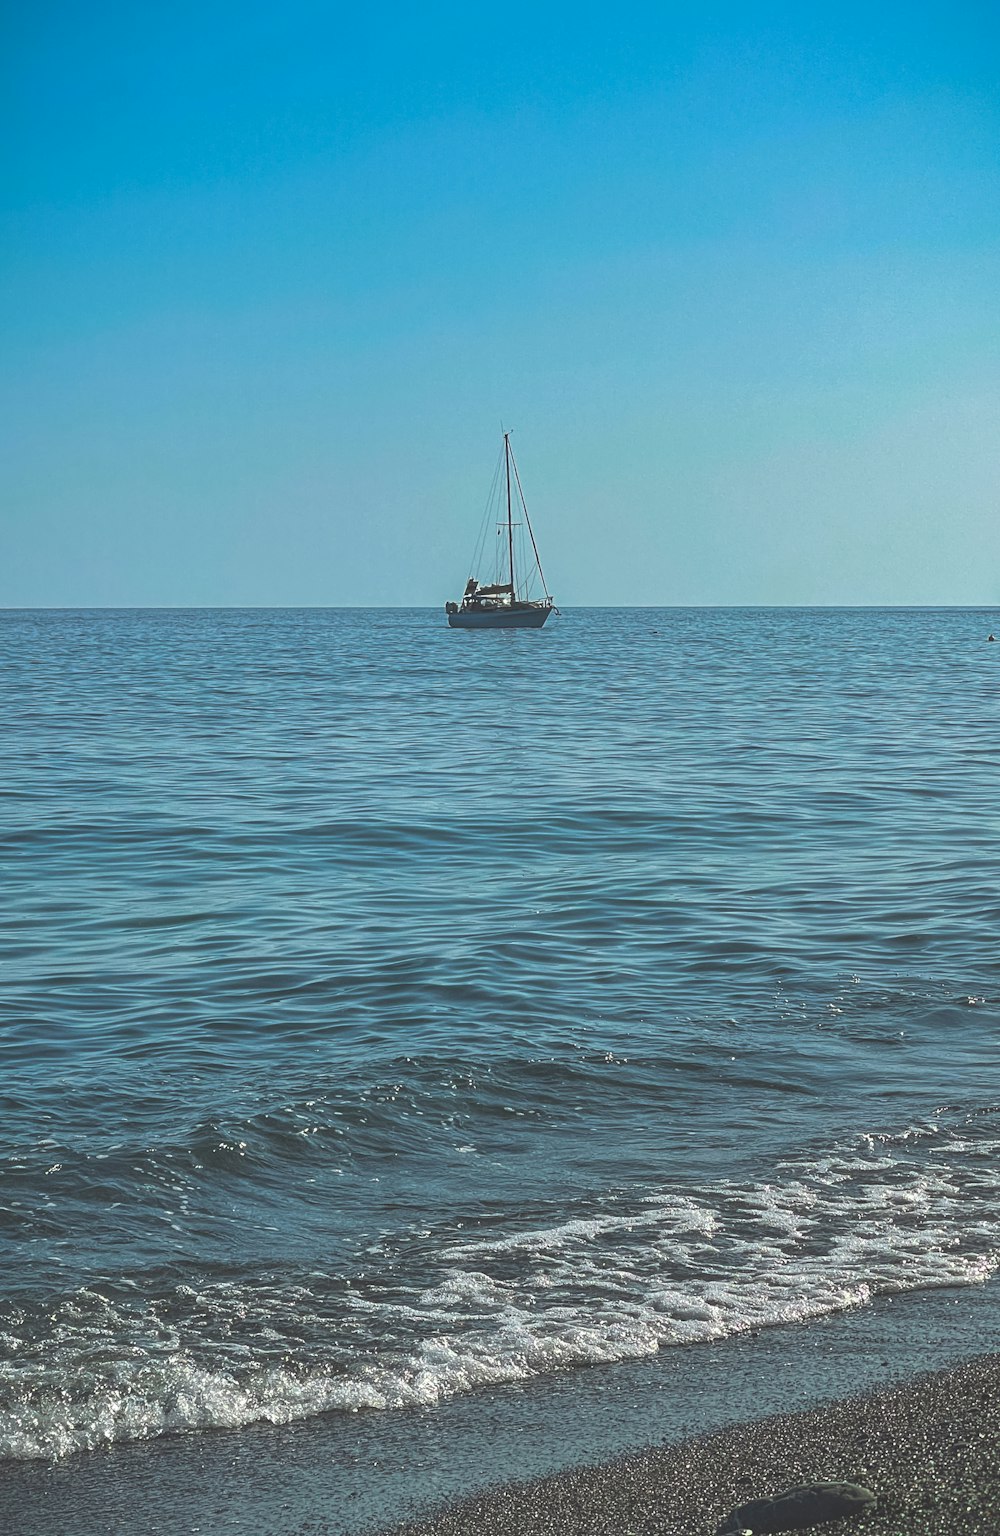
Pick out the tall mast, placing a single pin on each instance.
(510, 525)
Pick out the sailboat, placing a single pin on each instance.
(506, 602)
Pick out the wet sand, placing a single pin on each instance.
(929, 1448)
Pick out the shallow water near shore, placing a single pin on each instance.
(360, 1474)
(393, 1014)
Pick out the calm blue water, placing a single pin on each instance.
(390, 1011)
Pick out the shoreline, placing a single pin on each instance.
(634, 1449)
(929, 1448)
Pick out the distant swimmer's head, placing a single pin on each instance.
(991, 637)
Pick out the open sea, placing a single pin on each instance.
(392, 1014)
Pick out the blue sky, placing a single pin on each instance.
(272, 277)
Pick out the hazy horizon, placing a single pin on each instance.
(435, 607)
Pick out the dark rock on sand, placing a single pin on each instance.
(797, 1507)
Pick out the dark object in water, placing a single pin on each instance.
(991, 637)
(808, 1505)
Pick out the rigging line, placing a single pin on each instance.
(527, 519)
(480, 547)
(529, 574)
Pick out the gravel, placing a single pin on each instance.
(930, 1449)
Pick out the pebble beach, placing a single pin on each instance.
(928, 1448)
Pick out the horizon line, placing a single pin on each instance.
(433, 608)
